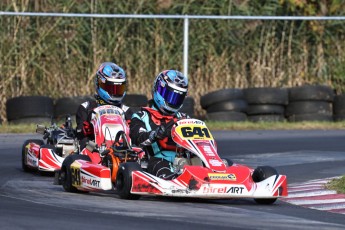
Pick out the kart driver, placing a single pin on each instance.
(150, 128)
(110, 84)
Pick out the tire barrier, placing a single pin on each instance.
(311, 93)
(43, 109)
(220, 96)
(29, 109)
(69, 105)
(135, 101)
(339, 108)
(188, 106)
(226, 116)
(225, 105)
(310, 103)
(303, 103)
(266, 104)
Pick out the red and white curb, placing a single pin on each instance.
(313, 194)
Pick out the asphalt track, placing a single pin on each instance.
(31, 201)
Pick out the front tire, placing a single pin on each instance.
(262, 173)
(24, 166)
(124, 180)
(66, 173)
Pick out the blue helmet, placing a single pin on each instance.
(169, 90)
(110, 82)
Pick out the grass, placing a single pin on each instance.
(337, 185)
(212, 125)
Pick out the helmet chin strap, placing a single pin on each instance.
(100, 101)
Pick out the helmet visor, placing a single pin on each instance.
(113, 88)
(172, 97)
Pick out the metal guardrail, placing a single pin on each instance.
(184, 17)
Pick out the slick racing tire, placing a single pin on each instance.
(262, 173)
(66, 173)
(124, 180)
(24, 166)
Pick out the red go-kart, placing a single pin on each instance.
(47, 154)
(201, 173)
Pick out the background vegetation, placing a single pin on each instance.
(57, 57)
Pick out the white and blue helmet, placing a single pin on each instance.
(111, 83)
(169, 90)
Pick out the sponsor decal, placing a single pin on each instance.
(89, 181)
(191, 121)
(215, 162)
(194, 132)
(32, 161)
(207, 149)
(222, 176)
(75, 176)
(222, 190)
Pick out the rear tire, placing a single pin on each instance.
(262, 173)
(124, 180)
(66, 174)
(24, 166)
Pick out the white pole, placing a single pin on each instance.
(185, 45)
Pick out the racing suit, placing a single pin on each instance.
(83, 117)
(161, 151)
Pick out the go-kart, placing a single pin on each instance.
(201, 173)
(95, 167)
(48, 153)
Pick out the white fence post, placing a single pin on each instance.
(185, 45)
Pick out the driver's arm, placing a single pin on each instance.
(138, 132)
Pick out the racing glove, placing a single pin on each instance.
(87, 128)
(158, 134)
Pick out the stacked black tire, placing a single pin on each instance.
(29, 109)
(188, 106)
(310, 103)
(225, 105)
(339, 108)
(69, 105)
(43, 109)
(135, 101)
(266, 104)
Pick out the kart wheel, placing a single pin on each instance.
(227, 162)
(24, 166)
(262, 173)
(124, 180)
(66, 174)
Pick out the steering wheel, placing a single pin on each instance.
(122, 135)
